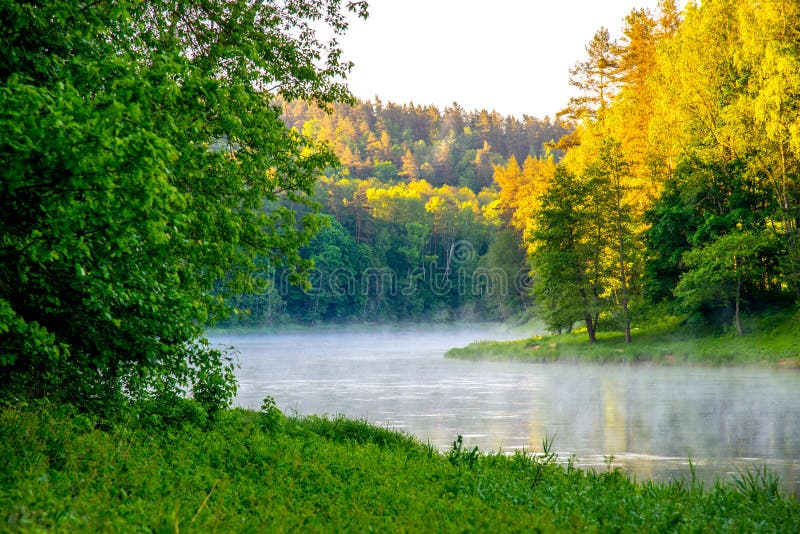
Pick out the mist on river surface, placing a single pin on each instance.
(651, 419)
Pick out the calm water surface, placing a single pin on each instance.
(651, 419)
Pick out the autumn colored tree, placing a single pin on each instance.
(770, 54)
(453, 147)
(410, 169)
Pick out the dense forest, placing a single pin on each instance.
(393, 142)
(670, 184)
(680, 187)
(414, 227)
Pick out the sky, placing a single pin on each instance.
(511, 56)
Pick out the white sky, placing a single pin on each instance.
(512, 56)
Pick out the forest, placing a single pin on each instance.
(680, 184)
(670, 185)
(414, 230)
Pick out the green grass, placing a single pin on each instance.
(248, 471)
(772, 339)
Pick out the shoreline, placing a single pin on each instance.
(177, 468)
(772, 340)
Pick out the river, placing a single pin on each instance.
(652, 420)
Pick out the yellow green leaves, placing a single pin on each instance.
(702, 113)
(596, 78)
(521, 190)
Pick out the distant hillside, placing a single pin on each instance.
(407, 142)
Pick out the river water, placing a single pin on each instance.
(651, 419)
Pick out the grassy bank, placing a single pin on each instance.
(172, 469)
(769, 339)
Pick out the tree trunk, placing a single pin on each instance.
(623, 279)
(590, 327)
(627, 328)
(623, 275)
(738, 300)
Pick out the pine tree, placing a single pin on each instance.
(596, 78)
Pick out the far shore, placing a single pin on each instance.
(772, 340)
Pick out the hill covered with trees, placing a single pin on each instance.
(415, 231)
(406, 142)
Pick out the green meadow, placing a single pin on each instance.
(175, 468)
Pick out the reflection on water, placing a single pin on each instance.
(651, 419)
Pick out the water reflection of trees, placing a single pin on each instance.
(648, 415)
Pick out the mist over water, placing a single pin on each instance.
(652, 419)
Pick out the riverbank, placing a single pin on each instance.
(772, 339)
(172, 468)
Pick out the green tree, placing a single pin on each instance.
(721, 271)
(142, 162)
(335, 281)
(612, 175)
(502, 274)
(672, 225)
(386, 171)
(566, 257)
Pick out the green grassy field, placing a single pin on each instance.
(772, 339)
(173, 469)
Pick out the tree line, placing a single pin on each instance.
(669, 184)
(408, 142)
(400, 251)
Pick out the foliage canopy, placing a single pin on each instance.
(688, 127)
(143, 161)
